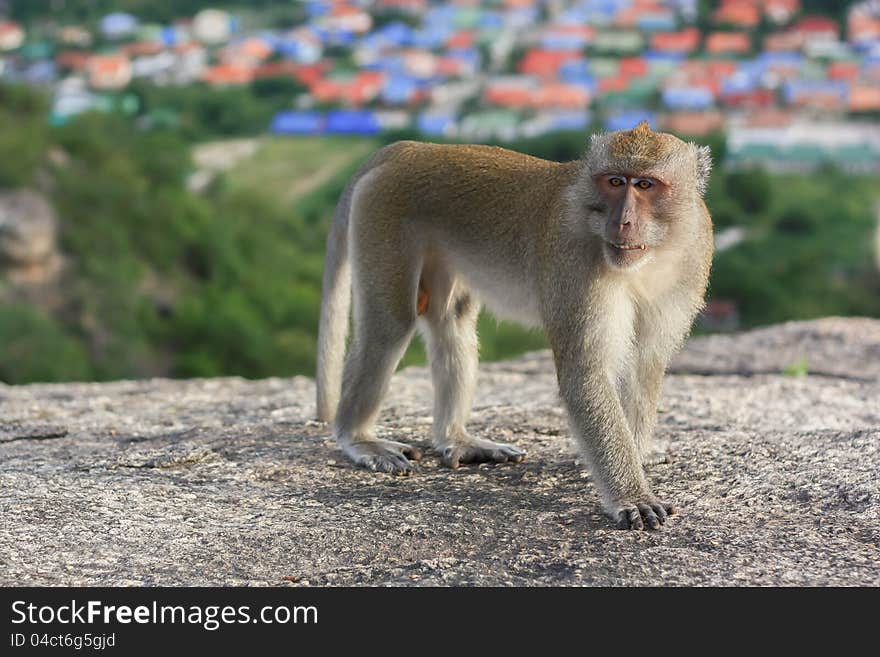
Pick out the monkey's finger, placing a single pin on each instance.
(392, 464)
(660, 511)
(650, 517)
(630, 518)
(497, 455)
(451, 458)
(403, 465)
(413, 453)
(514, 454)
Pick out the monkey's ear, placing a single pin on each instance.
(704, 167)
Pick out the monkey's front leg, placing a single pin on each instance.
(601, 428)
(639, 396)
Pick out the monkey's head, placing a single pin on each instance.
(641, 190)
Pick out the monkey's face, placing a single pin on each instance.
(642, 191)
(630, 229)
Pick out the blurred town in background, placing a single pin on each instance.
(781, 81)
(167, 170)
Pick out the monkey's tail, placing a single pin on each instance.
(335, 303)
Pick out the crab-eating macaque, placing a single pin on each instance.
(609, 254)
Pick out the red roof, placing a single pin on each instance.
(719, 68)
(742, 14)
(816, 24)
(769, 118)
(784, 41)
(107, 64)
(633, 66)
(140, 48)
(228, 74)
(864, 97)
(561, 96)
(447, 66)
(508, 95)
(463, 39)
(686, 40)
(307, 74)
(74, 60)
(692, 123)
(755, 98)
(790, 5)
(616, 83)
(356, 90)
(585, 31)
(546, 63)
(843, 70)
(738, 42)
(9, 27)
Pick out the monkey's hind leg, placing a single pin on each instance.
(453, 353)
(381, 335)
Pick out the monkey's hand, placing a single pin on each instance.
(382, 455)
(648, 511)
(467, 449)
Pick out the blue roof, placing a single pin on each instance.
(440, 15)
(575, 72)
(563, 41)
(490, 19)
(336, 37)
(397, 34)
(771, 57)
(398, 89)
(40, 72)
(523, 15)
(118, 23)
(352, 122)
(659, 55)
(169, 36)
(693, 98)
(318, 7)
(431, 37)
(628, 119)
(297, 123)
(739, 82)
(435, 124)
(469, 55)
(657, 21)
(794, 88)
(570, 120)
(387, 63)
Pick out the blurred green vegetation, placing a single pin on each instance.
(204, 112)
(164, 281)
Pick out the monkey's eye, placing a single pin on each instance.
(644, 184)
(616, 181)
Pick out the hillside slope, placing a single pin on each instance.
(227, 481)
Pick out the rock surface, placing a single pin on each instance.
(227, 481)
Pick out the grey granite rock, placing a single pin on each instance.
(227, 481)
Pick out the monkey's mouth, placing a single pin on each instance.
(628, 247)
(621, 255)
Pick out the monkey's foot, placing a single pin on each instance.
(382, 455)
(651, 513)
(478, 450)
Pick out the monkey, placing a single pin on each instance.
(609, 254)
